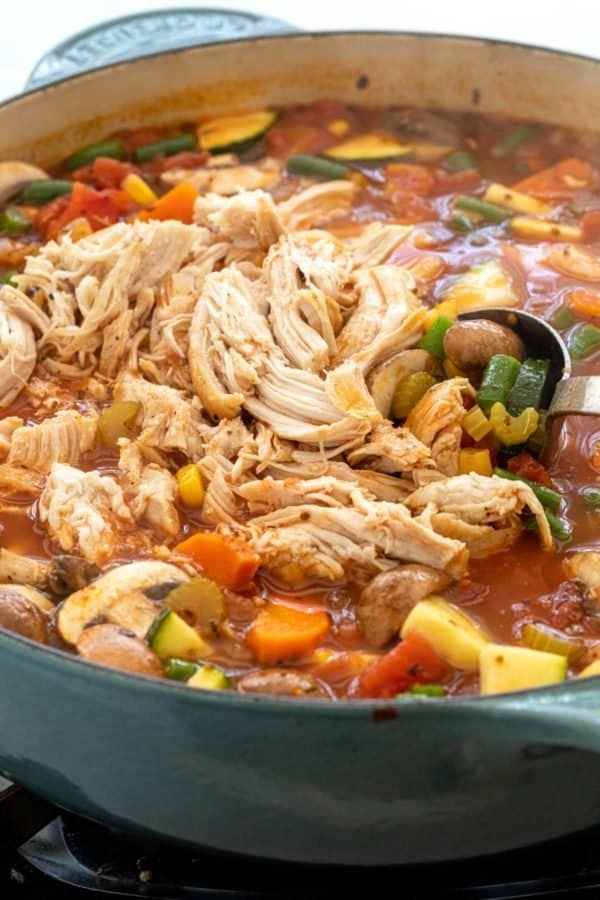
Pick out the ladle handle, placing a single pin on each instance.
(578, 395)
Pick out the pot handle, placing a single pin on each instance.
(144, 34)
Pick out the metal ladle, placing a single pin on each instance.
(564, 394)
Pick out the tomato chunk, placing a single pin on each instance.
(412, 661)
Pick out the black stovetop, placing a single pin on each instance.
(46, 855)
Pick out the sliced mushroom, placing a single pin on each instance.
(22, 569)
(387, 600)
(118, 597)
(30, 593)
(576, 262)
(111, 646)
(21, 615)
(14, 176)
(383, 380)
(281, 682)
(70, 573)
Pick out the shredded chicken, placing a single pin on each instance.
(64, 438)
(359, 539)
(478, 500)
(436, 418)
(85, 510)
(19, 319)
(150, 490)
(227, 180)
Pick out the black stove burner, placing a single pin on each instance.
(45, 855)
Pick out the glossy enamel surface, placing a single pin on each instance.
(356, 783)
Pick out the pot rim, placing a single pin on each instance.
(342, 706)
(303, 35)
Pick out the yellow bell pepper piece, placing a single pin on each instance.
(409, 391)
(483, 285)
(476, 424)
(473, 460)
(191, 489)
(338, 127)
(451, 370)
(138, 190)
(511, 430)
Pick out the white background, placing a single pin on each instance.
(29, 29)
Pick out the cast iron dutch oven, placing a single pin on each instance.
(367, 782)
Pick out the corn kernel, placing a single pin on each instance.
(191, 489)
(138, 190)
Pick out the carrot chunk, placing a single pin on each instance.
(229, 561)
(178, 203)
(283, 633)
(585, 304)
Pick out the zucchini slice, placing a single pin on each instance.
(452, 634)
(234, 134)
(171, 636)
(369, 147)
(208, 678)
(510, 668)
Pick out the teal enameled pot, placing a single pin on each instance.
(360, 782)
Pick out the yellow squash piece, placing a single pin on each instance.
(507, 668)
(233, 134)
(539, 230)
(451, 633)
(139, 191)
(483, 285)
(472, 460)
(501, 195)
(511, 430)
(368, 146)
(591, 670)
(191, 489)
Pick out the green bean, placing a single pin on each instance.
(459, 161)
(315, 166)
(166, 147)
(43, 191)
(12, 221)
(563, 318)
(114, 149)
(460, 223)
(560, 528)
(514, 139)
(547, 497)
(584, 341)
(428, 690)
(488, 211)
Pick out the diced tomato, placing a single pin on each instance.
(100, 208)
(412, 661)
(467, 592)
(411, 178)
(590, 225)
(286, 140)
(410, 208)
(188, 159)
(104, 172)
(525, 465)
(454, 182)
(561, 181)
